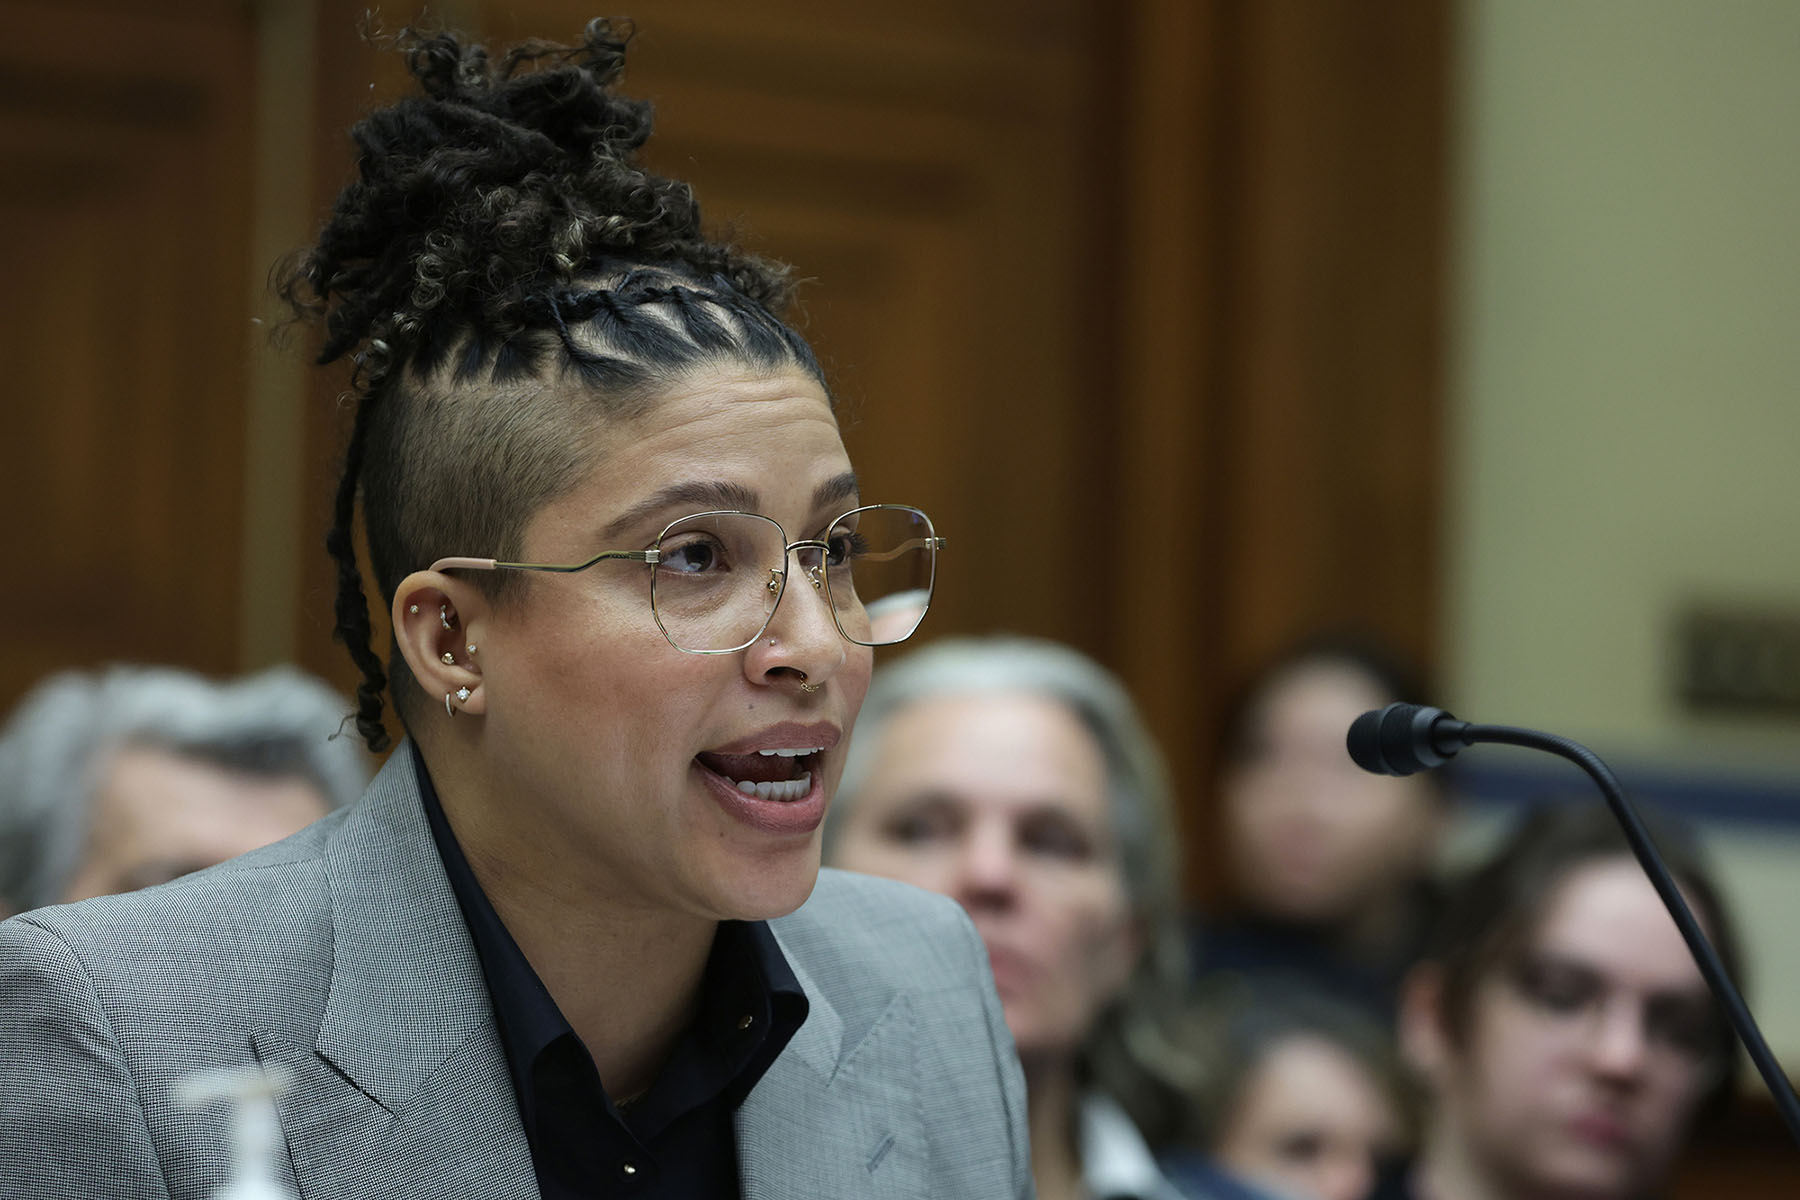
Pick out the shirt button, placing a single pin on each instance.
(745, 1021)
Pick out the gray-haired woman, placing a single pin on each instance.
(1016, 776)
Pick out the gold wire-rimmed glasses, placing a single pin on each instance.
(716, 577)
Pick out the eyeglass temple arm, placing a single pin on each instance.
(490, 564)
(929, 543)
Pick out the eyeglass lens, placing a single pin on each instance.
(719, 576)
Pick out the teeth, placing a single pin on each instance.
(787, 789)
(790, 753)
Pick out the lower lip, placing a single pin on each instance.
(1011, 973)
(780, 817)
(1603, 1132)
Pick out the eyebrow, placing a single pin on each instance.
(838, 487)
(709, 494)
(700, 495)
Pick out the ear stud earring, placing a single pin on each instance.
(413, 609)
(449, 659)
(462, 697)
(470, 647)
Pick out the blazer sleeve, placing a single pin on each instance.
(71, 1123)
(1006, 1063)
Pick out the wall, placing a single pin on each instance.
(1623, 434)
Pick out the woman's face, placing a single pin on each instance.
(1313, 837)
(1586, 1058)
(604, 740)
(1310, 1122)
(1000, 801)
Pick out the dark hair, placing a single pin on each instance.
(500, 226)
(1491, 913)
(1390, 674)
(1252, 1020)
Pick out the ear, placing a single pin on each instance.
(1422, 1027)
(437, 617)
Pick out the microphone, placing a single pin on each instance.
(1404, 739)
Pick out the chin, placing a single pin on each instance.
(765, 890)
(1587, 1172)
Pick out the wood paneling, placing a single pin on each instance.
(1142, 302)
(123, 230)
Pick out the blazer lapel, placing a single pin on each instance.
(406, 1092)
(836, 1114)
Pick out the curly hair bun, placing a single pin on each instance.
(500, 181)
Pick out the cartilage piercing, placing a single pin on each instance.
(444, 616)
(449, 659)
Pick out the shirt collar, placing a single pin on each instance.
(747, 976)
(1115, 1162)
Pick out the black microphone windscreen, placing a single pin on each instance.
(1364, 743)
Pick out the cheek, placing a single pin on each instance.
(1510, 1075)
(1086, 923)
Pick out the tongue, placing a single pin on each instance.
(757, 768)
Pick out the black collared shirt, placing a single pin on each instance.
(675, 1140)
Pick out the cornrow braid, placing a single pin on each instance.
(352, 607)
(502, 273)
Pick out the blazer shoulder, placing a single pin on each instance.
(207, 942)
(882, 929)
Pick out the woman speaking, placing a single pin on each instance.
(564, 945)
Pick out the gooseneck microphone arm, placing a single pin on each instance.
(1402, 739)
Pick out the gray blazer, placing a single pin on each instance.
(340, 953)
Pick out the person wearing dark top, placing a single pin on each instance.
(574, 940)
(1329, 866)
(1565, 1039)
(676, 1136)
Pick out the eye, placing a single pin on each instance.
(1053, 835)
(919, 826)
(693, 554)
(1682, 1024)
(1556, 987)
(845, 545)
(1300, 1146)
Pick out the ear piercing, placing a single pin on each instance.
(413, 609)
(471, 648)
(462, 697)
(444, 616)
(449, 659)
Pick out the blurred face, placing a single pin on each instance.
(1587, 1058)
(158, 815)
(1000, 802)
(1310, 1123)
(628, 771)
(1314, 838)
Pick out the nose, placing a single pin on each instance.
(1347, 1176)
(801, 642)
(1619, 1048)
(987, 869)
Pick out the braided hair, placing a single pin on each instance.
(501, 273)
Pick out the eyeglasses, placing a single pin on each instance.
(1576, 998)
(716, 577)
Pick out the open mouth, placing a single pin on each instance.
(779, 774)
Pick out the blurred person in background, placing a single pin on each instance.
(1016, 777)
(1307, 1099)
(131, 776)
(1565, 1038)
(1329, 865)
